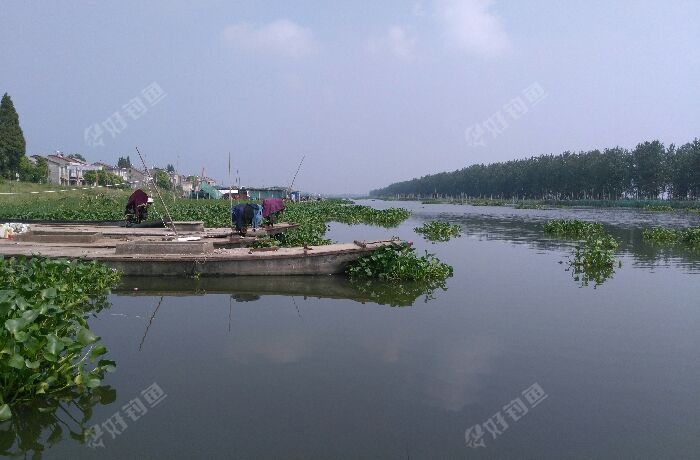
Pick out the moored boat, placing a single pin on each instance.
(157, 252)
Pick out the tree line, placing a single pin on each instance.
(650, 171)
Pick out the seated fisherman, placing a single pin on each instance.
(137, 207)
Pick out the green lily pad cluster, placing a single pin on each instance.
(572, 228)
(46, 346)
(687, 236)
(399, 262)
(438, 231)
(593, 258)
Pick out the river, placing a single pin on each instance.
(515, 359)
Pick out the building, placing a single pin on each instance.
(121, 172)
(65, 170)
(261, 193)
(135, 177)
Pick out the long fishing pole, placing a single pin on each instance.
(295, 174)
(230, 194)
(155, 186)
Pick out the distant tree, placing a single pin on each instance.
(170, 168)
(124, 162)
(12, 143)
(101, 177)
(31, 172)
(162, 179)
(648, 169)
(77, 156)
(613, 174)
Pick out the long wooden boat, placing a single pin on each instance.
(158, 252)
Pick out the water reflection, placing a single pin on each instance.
(40, 425)
(626, 226)
(251, 288)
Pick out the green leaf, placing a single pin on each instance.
(16, 361)
(32, 364)
(15, 325)
(92, 382)
(54, 345)
(5, 413)
(86, 337)
(6, 295)
(107, 365)
(99, 350)
(21, 336)
(48, 293)
(30, 315)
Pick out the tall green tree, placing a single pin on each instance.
(162, 179)
(124, 162)
(12, 143)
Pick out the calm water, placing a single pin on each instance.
(310, 368)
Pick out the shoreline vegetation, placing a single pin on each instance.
(646, 172)
(647, 205)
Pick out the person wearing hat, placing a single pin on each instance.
(137, 207)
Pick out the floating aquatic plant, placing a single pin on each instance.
(438, 231)
(44, 332)
(399, 262)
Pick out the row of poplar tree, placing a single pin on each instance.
(649, 171)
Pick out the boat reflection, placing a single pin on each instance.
(250, 288)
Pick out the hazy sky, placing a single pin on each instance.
(370, 92)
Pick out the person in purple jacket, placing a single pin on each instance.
(272, 207)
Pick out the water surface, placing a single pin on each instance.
(312, 368)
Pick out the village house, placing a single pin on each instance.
(64, 170)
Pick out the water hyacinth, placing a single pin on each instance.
(44, 306)
(438, 231)
(399, 262)
(594, 256)
(687, 236)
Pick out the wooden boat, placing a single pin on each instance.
(161, 252)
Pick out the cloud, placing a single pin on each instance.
(396, 41)
(282, 37)
(470, 26)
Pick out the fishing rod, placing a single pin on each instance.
(295, 174)
(230, 200)
(155, 186)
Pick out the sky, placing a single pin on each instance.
(369, 93)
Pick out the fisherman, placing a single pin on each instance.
(137, 207)
(272, 208)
